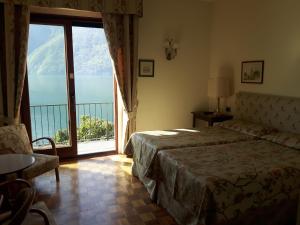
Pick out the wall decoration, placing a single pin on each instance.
(252, 72)
(146, 68)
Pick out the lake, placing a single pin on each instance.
(48, 101)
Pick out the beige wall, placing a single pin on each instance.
(254, 30)
(222, 35)
(179, 86)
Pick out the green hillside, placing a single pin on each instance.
(47, 52)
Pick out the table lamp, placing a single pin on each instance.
(218, 87)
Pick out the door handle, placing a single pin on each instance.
(73, 102)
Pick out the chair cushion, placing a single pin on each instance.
(36, 219)
(43, 163)
(14, 139)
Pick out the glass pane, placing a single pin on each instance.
(48, 84)
(94, 90)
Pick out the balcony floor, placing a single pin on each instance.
(96, 146)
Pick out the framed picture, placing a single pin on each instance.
(252, 72)
(146, 68)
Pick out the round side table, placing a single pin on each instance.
(14, 163)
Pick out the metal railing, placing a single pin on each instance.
(94, 121)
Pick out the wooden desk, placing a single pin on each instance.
(14, 163)
(210, 117)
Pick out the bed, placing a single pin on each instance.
(249, 182)
(252, 120)
(230, 184)
(144, 147)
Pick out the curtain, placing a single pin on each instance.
(122, 35)
(108, 6)
(120, 18)
(14, 39)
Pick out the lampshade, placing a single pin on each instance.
(218, 87)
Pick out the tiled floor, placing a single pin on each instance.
(99, 191)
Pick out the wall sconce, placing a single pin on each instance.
(170, 48)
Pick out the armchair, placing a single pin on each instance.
(14, 139)
(19, 196)
(19, 199)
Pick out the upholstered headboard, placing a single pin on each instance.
(279, 112)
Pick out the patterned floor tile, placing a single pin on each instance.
(99, 191)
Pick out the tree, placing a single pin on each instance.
(61, 136)
(89, 129)
(94, 128)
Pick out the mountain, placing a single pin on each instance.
(46, 51)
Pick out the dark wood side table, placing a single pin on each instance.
(210, 117)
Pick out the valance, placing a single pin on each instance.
(105, 6)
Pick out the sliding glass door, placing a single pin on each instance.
(93, 89)
(70, 86)
(48, 85)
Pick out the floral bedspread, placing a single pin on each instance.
(224, 181)
(144, 147)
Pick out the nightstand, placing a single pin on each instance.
(210, 117)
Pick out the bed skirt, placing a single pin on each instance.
(284, 213)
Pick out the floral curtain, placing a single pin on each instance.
(14, 37)
(120, 18)
(122, 36)
(109, 6)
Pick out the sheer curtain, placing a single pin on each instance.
(122, 35)
(14, 36)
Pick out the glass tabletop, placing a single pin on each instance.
(12, 163)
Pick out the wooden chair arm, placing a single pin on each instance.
(9, 191)
(1, 200)
(41, 213)
(4, 216)
(22, 181)
(54, 152)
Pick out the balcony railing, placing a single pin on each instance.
(94, 121)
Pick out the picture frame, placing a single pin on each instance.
(146, 68)
(252, 72)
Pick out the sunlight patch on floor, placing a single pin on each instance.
(99, 164)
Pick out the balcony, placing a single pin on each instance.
(94, 122)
